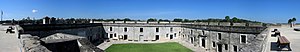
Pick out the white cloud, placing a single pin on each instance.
(34, 11)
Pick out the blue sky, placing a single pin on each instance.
(272, 11)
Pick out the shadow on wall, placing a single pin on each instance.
(274, 47)
(95, 33)
(67, 46)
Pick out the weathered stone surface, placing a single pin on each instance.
(60, 37)
(39, 48)
(33, 44)
(213, 23)
(239, 24)
(58, 42)
(255, 24)
(86, 46)
(224, 24)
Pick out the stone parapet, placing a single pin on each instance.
(224, 24)
(191, 23)
(129, 21)
(255, 24)
(119, 22)
(239, 24)
(213, 23)
(141, 22)
(164, 22)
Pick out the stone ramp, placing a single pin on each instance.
(104, 45)
(9, 42)
(190, 46)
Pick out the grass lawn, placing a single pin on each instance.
(148, 47)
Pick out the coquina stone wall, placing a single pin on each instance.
(209, 36)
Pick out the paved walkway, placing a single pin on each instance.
(105, 45)
(290, 34)
(8, 42)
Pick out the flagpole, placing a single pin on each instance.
(1, 15)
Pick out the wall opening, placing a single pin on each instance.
(156, 37)
(125, 37)
(203, 43)
(167, 35)
(110, 35)
(174, 34)
(219, 36)
(141, 29)
(157, 29)
(171, 29)
(115, 35)
(219, 47)
(203, 32)
(235, 48)
(191, 40)
(125, 29)
(243, 38)
(171, 36)
(110, 28)
(226, 46)
(214, 44)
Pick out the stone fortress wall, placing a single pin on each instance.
(209, 36)
(62, 37)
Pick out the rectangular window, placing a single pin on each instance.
(214, 44)
(191, 31)
(125, 37)
(203, 32)
(141, 29)
(243, 38)
(125, 29)
(235, 49)
(219, 36)
(220, 47)
(174, 34)
(167, 35)
(156, 37)
(110, 35)
(226, 46)
(171, 29)
(115, 35)
(157, 29)
(203, 43)
(110, 28)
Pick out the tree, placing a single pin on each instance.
(293, 19)
(119, 19)
(227, 18)
(186, 20)
(177, 20)
(151, 19)
(166, 20)
(234, 19)
(127, 19)
(110, 20)
(290, 21)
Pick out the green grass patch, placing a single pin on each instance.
(148, 47)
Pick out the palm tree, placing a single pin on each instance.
(290, 22)
(294, 21)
